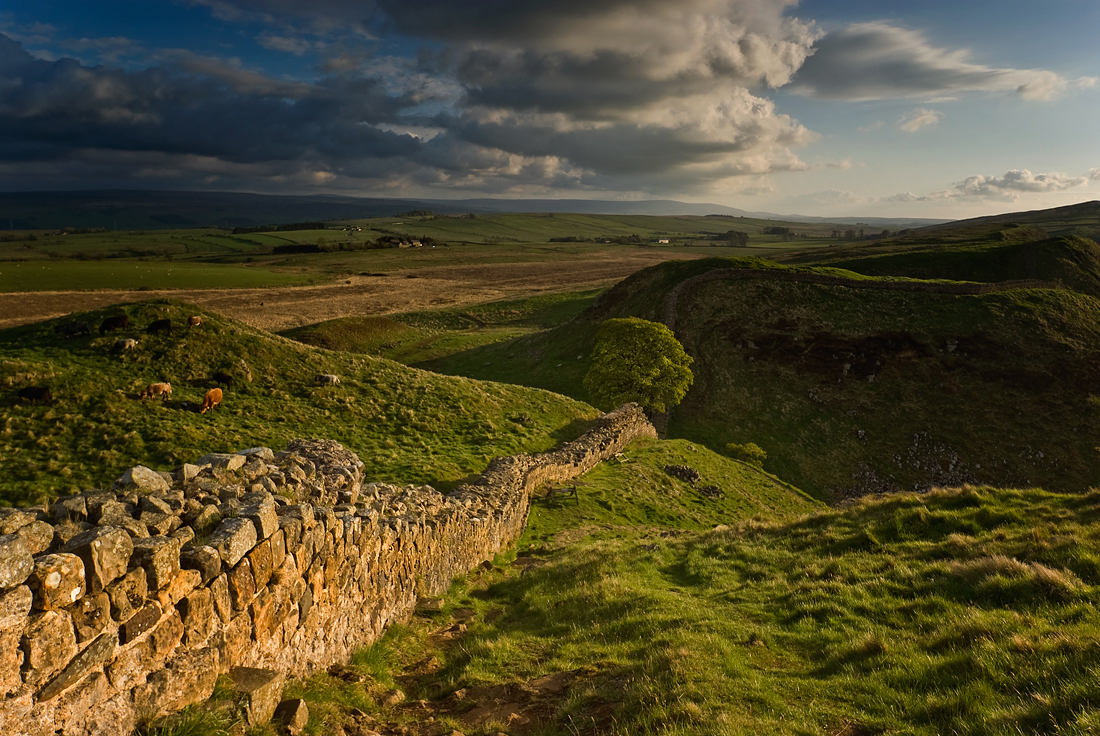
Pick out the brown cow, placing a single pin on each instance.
(212, 400)
(163, 390)
(194, 320)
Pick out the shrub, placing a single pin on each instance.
(750, 453)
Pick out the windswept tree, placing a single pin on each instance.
(638, 360)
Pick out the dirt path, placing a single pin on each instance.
(280, 308)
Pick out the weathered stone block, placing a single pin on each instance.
(278, 549)
(106, 554)
(155, 504)
(263, 615)
(258, 453)
(11, 520)
(76, 707)
(57, 580)
(242, 586)
(294, 715)
(91, 614)
(15, 607)
(142, 621)
(303, 512)
(128, 594)
(184, 535)
(222, 460)
(38, 535)
(95, 654)
(160, 557)
(204, 559)
(142, 479)
(223, 603)
(131, 665)
(133, 527)
(260, 561)
(262, 689)
(187, 472)
(292, 533)
(165, 637)
(49, 642)
(264, 517)
(184, 582)
(197, 613)
(235, 640)
(233, 539)
(160, 524)
(187, 678)
(16, 562)
(206, 518)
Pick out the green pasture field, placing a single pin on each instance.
(63, 275)
(408, 426)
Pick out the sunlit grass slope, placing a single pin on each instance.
(857, 390)
(407, 425)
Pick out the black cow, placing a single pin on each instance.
(36, 394)
(161, 325)
(72, 329)
(223, 378)
(120, 322)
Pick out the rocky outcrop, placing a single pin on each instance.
(115, 604)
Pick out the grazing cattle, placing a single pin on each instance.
(161, 325)
(36, 394)
(72, 329)
(328, 379)
(123, 344)
(163, 390)
(212, 400)
(194, 321)
(223, 378)
(120, 322)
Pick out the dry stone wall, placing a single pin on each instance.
(121, 605)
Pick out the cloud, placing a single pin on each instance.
(877, 125)
(638, 94)
(868, 61)
(919, 118)
(1094, 174)
(1007, 188)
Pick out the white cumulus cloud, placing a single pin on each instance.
(918, 119)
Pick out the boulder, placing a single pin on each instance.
(160, 557)
(143, 479)
(294, 715)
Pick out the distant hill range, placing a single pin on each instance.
(153, 210)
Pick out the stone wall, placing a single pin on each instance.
(120, 605)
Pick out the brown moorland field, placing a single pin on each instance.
(415, 289)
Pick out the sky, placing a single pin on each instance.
(915, 108)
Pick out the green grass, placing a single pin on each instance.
(419, 337)
(408, 425)
(940, 388)
(56, 275)
(970, 611)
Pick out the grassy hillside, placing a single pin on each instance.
(858, 390)
(407, 425)
(648, 610)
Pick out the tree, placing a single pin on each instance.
(638, 360)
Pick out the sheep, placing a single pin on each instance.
(212, 400)
(123, 344)
(72, 329)
(328, 379)
(163, 390)
(223, 378)
(194, 320)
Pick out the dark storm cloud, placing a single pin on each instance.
(194, 106)
(877, 60)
